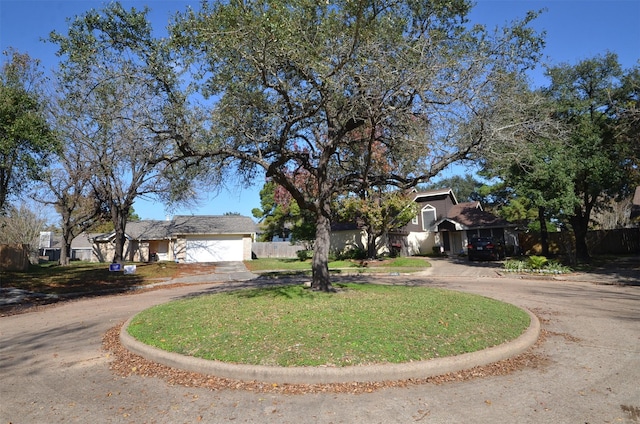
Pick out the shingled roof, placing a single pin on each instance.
(212, 224)
(186, 225)
(149, 229)
(431, 194)
(471, 215)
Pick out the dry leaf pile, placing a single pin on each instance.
(125, 363)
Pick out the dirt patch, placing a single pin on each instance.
(632, 411)
(30, 301)
(567, 337)
(186, 270)
(33, 304)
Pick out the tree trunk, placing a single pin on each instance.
(320, 262)
(119, 223)
(65, 252)
(67, 237)
(580, 226)
(372, 252)
(544, 233)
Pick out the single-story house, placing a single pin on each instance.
(185, 239)
(81, 247)
(49, 245)
(441, 224)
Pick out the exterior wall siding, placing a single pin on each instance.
(246, 248)
(442, 203)
(82, 254)
(342, 241)
(348, 239)
(420, 243)
(180, 250)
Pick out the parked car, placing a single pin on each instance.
(485, 248)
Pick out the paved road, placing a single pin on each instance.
(53, 368)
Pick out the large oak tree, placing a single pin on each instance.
(589, 161)
(316, 88)
(121, 108)
(26, 140)
(66, 185)
(597, 102)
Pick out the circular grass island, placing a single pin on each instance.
(361, 327)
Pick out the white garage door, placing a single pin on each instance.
(214, 249)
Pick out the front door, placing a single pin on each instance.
(445, 241)
(456, 242)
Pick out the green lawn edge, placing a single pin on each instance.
(362, 324)
(278, 267)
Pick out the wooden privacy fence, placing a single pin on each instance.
(14, 257)
(601, 242)
(275, 249)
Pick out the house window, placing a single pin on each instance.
(414, 221)
(428, 217)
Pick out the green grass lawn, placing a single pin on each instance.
(360, 324)
(402, 264)
(79, 277)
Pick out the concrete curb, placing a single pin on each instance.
(326, 375)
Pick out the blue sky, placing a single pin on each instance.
(576, 30)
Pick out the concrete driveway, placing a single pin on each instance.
(54, 370)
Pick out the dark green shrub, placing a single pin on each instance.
(352, 253)
(303, 255)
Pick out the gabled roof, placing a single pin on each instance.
(182, 225)
(424, 196)
(81, 241)
(212, 224)
(105, 237)
(84, 241)
(470, 215)
(141, 230)
(149, 229)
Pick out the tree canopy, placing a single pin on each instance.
(466, 188)
(590, 161)
(120, 110)
(280, 216)
(589, 99)
(334, 90)
(26, 140)
(378, 212)
(23, 223)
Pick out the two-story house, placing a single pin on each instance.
(446, 225)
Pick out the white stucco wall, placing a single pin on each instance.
(246, 248)
(355, 239)
(420, 243)
(349, 239)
